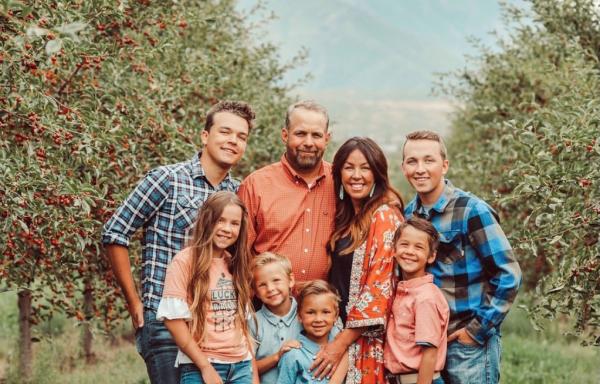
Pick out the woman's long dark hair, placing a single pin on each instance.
(347, 221)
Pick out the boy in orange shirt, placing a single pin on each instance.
(416, 337)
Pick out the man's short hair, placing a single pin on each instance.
(267, 258)
(238, 108)
(318, 287)
(309, 105)
(433, 237)
(427, 135)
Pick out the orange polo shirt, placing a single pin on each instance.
(419, 317)
(291, 218)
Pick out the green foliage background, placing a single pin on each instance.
(526, 137)
(94, 94)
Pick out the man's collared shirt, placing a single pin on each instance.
(419, 318)
(291, 218)
(475, 266)
(165, 203)
(271, 333)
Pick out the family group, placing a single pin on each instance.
(309, 271)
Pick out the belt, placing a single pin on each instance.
(407, 378)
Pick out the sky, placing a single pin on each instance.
(373, 64)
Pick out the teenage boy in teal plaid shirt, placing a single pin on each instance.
(165, 204)
(475, 267)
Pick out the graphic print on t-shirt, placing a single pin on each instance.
(223, 302)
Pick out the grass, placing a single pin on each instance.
(58, 353)
(528, 356)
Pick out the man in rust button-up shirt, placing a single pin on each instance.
(291, 203)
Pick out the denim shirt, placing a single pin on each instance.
(272, 332)
(293, 366)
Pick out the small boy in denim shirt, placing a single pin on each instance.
(277, 328)
(318, 311)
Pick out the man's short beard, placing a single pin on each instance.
(298, 165)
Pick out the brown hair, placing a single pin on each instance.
(433, 237)
(427, 135)
(308, 105)
(202, 253)
(318, 287)
(238, 108)
(346, 220)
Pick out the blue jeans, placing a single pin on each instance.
(473, 364)
(156, 346)
(234, 373)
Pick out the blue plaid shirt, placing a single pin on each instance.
(475, 267)
(165, 203)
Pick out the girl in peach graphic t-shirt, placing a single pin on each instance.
(207, 296)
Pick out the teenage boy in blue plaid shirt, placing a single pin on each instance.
(475, 267)
(164, 204)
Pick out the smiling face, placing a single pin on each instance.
(227, 229)
(424, 168)
(272, 285)
(225, 142)
(305, 139)
(413, 252)
(357, 178)
(318, 313)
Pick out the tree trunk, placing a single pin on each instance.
(25, 351)
(87, 336)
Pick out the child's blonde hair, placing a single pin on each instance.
(267, 258)
(318, 287)
(201, 244)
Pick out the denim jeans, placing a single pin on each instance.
(473, 364)
(156, 346)
(234, 373)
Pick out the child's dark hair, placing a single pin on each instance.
(318, 287)
(423, 226)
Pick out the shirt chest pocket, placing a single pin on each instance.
(186, 211)
(451, 248)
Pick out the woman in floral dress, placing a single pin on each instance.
(368, 211)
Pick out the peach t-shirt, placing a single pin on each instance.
(223, 337)
(419, 317)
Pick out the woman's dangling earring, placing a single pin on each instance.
(341, 192)
(372, 191)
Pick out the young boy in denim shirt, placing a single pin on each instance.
(277, 328)
(318, 311)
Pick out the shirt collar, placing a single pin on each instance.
(287, 319)
(441, 203)
(198, 171)
(405, 285)
(310, 345)
(294, 175)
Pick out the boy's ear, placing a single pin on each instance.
(432, 257)
(292, 280)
